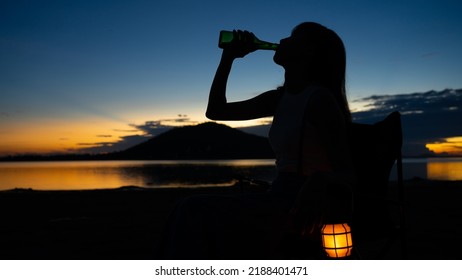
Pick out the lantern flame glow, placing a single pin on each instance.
(336, 240)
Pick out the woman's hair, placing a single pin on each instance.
(328, 62)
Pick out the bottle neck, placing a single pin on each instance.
(226, 37)
(262, 45)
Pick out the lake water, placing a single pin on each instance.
(78, 175)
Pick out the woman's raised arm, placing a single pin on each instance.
(218, 108)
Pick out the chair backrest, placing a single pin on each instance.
(375, 148)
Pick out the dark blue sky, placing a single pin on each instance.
(77, 72)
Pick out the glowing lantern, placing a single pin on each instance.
(336, 240)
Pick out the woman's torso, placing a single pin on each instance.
(296, 152)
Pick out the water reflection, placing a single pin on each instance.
(432, 168)
(114, 174)
(62, 175)
(448, 170)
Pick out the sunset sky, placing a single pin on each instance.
(88, 73)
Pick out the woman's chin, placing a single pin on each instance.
(277, 59)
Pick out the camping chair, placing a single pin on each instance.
(375, 149)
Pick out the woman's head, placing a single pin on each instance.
(318, 54)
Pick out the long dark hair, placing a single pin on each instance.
(329, 62)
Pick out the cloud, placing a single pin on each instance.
(126, 130)
(154, 128)
(429, 117)
(426, 117)
(151, 128)
(451, 145)
(125, 142)
(141, 133)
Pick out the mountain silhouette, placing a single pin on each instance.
(204, 141)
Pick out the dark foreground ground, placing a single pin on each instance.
(126, 223)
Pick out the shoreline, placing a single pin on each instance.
(127, 222)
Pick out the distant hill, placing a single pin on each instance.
(204, 141)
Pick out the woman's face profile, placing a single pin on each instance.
(293, 51)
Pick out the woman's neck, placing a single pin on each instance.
(296, 82)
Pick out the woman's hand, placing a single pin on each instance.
(240, 47)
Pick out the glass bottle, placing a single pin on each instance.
(226, 37)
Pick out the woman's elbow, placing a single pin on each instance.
(212, 115)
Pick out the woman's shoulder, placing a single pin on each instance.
(273, 95)
(321, 97)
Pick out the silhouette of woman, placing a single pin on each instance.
(308, 135)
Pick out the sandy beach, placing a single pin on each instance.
(126, 223)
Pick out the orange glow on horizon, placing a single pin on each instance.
(451, 146)
(61, 136)
(56, 137)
